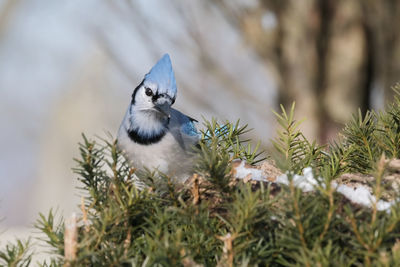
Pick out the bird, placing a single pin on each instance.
(153, 135)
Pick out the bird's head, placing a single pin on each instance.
(152, 99)
(157, 91)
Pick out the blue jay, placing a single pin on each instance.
(152, 133)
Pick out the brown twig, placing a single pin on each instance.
(195, 189)
(227, 250)
(84, 215)
(70, 240)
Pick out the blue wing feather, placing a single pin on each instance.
(189, 128)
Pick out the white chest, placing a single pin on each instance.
(166, 156)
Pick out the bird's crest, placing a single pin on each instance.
(161, 77)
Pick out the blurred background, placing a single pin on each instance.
(68, 67)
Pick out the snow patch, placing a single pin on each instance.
(359, 195)
(305, 182)
(362, 196)
(255, 174)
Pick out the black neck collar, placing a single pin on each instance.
(145, 140)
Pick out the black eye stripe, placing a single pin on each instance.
(135, 91)
(157, 96)
(154, 96)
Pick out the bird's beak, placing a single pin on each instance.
(164, 108)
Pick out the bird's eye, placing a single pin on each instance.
(149, 92)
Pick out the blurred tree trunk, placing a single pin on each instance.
(330, 56)
(345, 81)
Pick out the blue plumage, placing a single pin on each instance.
(189, 128)
(152, 133)
(162, 77)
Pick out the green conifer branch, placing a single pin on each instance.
(233, 223)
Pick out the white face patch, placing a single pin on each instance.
(143, 117)
(143, 101)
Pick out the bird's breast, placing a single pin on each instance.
(167, 156)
